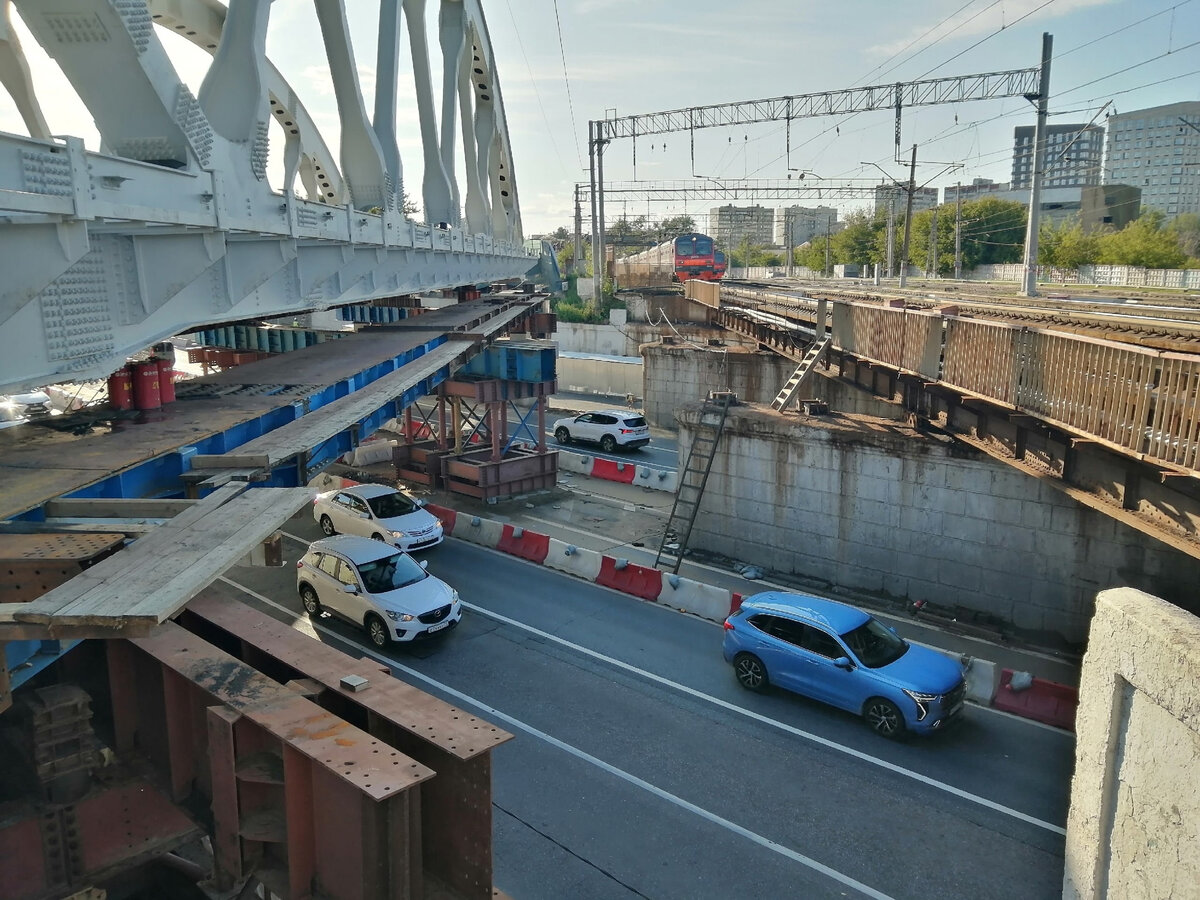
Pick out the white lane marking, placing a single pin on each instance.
(766, 720)
(987, 709)
(494, 713)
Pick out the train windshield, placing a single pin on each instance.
(694, 245)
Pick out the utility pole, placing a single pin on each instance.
(577, 260)
(912, 190)
(931, 270)
(1029, 287)
(891, 234)
(600, 268)
(828, 261)
(958, 234)
(592, 169)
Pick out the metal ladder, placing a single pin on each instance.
(815, 353)
(692, 480)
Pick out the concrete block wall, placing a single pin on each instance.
(677, 375)
(872, 505)
(1134, 825)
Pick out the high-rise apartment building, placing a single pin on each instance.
(1157, 150)
(731, 225)
(1073, 156)
(888, 194)
(797, 224)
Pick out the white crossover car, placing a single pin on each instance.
(380, 512)
(375, 586)
(610, 428)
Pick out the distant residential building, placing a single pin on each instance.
(886, 194)
(731, 225)
(979, 187)
(1157, 150)
(795, 225)
(1074, 155)
(1094, 206)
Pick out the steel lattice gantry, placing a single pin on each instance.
(173, 224)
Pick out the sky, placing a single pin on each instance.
(562, 63)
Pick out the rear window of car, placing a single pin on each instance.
(635, 422)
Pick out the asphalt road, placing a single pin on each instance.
(641, 769)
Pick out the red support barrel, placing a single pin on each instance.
(120, 389)
(166, 378)
(145, 385)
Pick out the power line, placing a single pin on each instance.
(570, 100)
(1169, 9)
(987, 37)
(536, 92)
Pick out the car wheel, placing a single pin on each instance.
(884, 718)
(327, 526)
(379, 537)
(377, 632)
(751, 673)
(308, 597)
(562, 436)
(608, 443)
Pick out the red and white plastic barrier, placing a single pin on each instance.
(621, 472)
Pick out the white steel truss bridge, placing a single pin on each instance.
(173, 224)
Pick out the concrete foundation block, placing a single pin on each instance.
(579, 562)
(699, 599)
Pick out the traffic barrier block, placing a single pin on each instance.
(692, 596)
(581, 563)
(657, 479)
(370, 452)
(640, 581)
(610, 470)
(1043, 701)
(484, 532)
(575, 463)
(526, 544)
(326, 482)
(981, 681)
(447, 516)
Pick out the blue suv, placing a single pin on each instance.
(842, 656)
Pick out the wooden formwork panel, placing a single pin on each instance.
(1173, 434)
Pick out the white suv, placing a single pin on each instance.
(610, 428)
(380, 512)
(378, 587)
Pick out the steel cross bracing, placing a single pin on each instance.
(956, 89)
(175, 225)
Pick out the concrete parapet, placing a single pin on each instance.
(1134, 825)
(484, 532)
(579, 562)
(702, 600)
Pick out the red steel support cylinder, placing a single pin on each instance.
(120, 389)
(145, 385)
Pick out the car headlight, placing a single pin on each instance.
(922, 701)
(398, 616)
(453, 597)
(399, 534)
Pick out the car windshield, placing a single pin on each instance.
(874, 644)
(390, 573)
(389, 506)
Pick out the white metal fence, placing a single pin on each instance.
(1117, 276)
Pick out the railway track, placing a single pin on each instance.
(1148, 319)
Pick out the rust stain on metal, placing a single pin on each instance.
(343, 742)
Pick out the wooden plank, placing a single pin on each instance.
(113, 508)
(231, 461)
(146, 584)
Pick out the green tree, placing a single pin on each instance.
(1067, 246)
(1143, 242)
(993, 231)
(1186, 229)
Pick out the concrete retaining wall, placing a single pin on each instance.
(871, 505)
(1134, 825)
(613, 376)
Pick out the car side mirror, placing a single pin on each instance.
(350, 588)
(893, 631)
(421, 502)
(424, 564)
(364, 515)
(843, 662)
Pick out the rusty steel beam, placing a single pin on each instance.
(456, 810)
(302, 800)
